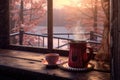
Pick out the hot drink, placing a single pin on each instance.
(52, 58)
(78, 54)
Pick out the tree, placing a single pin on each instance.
(88, 12)
(104, 51)
(26, 15)
(92, 14)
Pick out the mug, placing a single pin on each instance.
(52, 58)
(79, 54)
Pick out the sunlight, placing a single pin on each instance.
(58, 4)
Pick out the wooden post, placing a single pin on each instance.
(93, 36)
(21, 32)
(50, 25)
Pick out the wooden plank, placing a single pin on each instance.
(4, 23)
(116, 57)
(118, 14)
(115, 41)
(20, 63)
(50, 25)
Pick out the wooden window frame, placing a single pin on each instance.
(6, 40)
(115, 35)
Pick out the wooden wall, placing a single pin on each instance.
(115, 40)
(4, 23)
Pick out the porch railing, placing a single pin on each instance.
(92, 39)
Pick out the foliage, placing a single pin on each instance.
(104, 52)
(26, 14)
(88, 12)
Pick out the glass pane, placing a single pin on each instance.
(77, 20)
(28, 23)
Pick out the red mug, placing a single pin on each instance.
(78, 54)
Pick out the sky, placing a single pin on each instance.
(60, 3)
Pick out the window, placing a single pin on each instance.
(28, 23)
(71, 18)
(52, 24)
(4, 31)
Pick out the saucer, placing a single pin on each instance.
(65, 66)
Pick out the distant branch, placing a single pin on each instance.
(86, 14)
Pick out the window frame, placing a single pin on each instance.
(4, 35)
(34, 49)
(50, 34)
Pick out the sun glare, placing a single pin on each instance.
(58, 4)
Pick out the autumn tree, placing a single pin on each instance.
(94, 15)
(104, 51)
(26, 15)
(88, 12)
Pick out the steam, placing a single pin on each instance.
(79, 32)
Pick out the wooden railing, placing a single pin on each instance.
(21, 33)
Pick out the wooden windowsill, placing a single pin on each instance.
(28, 66)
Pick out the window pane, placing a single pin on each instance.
(76, 20)
(28, 23)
